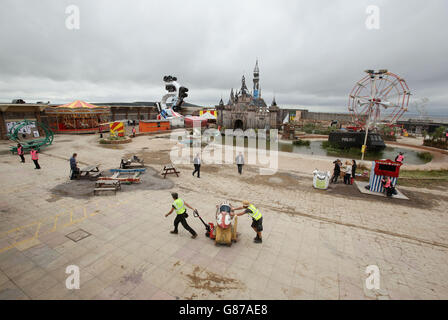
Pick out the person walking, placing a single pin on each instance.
(35, 157)
(181, 215)
(257, 218)
(197, 165)
(348, 172)
(21, 152)
(240, 162)
(133, 132)
(74, 166)
(336, 171)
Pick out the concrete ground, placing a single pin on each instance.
(316, 244)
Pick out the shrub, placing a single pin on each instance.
(300, 142)
(435, 143)
(425, 156)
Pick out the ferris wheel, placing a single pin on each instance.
(381, 97)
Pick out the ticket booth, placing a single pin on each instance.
(381, 169)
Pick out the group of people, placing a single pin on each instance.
(33, 152)
(349, 170)
(197, 164)
(180, 206)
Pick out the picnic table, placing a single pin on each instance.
(169, 169)
(91, 172)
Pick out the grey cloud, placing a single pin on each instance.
(311, 53)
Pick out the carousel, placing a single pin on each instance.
(77, 117)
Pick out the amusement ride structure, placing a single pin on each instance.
(177, 94)
(41, 135)
(380, 98)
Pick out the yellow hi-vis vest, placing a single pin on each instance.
(179, 206)
(254, 212)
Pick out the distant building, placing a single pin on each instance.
(12, 113)
(246, 110)
(418, 126)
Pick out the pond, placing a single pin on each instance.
(315, 148)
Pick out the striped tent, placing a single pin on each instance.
(214, 113)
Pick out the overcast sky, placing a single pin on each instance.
(311, 53)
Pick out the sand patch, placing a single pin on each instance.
(211, 282)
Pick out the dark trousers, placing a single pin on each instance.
(240, 168)
(389, 191)
(180, 218)
(334, 178)
(74, 173)
(22, 157)
(347, 178)
(36, 163)
(197, 168)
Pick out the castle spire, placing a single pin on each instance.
(256, 81)
(243, 85)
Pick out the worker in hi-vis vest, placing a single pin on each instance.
(181, 214)
(35, 157)
(257, 219)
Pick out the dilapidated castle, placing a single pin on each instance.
(247, 110)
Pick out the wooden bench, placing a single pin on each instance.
(169, 169)
(108, 184)
(96, 190)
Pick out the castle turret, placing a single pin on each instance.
(244, 90)
(232, 97)
(256, 81)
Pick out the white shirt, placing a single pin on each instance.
(348, 169)
(239, 159)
